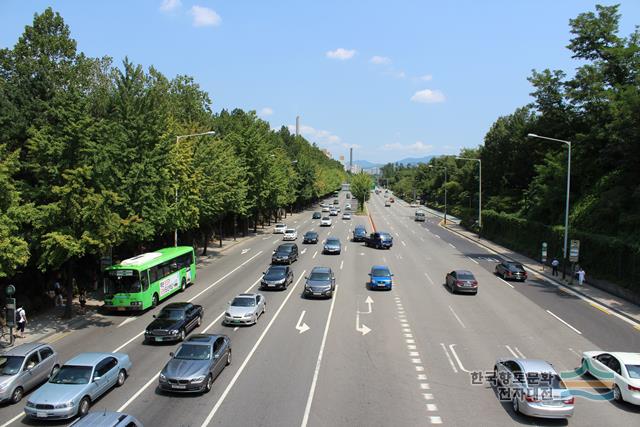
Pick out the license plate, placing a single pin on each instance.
(41, 414)
(236, 321)
(121, 308)
(158, 339)
(317, 293)
(271, 285)
(381, 284)
(180, 387)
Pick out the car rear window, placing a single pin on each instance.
(285, 248)
(10, 365)
(465, 276)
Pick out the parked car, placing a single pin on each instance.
(511, 270)
(174, 322)
(359, 233)
(321, 282)
(332, 246)
(535, 387)
(24, 368)
(316, 215)
(290, 234)
(380, 277)
(286, 253)
(462, 281)
(196, 364)
(245, 309)
(325, 222)
(106, 419)
(379, 240)
(346, 215)
(279, 228)
(620, 369)
(277, 276)
(78, 383)
(310, 237)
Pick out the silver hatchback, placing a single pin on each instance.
(24, 368)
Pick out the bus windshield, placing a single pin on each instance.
(122, 281)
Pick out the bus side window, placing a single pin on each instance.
(144, 279)
(153, 273)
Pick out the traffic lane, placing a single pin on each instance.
(366, 379)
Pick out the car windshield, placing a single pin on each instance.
(333, 242)
(70, 374)
(465, 276)
(275, 273)
(385, 236)
(380, 272)
(285, 249)
(243, 302)
(634, 371)
(10, 365)
(316, 275)
(193, 352)
(360, 231)
(122, 281)
(310, 234)
(290, 231)
(171, 314)
(326, 218)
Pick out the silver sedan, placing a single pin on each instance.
(245, 309)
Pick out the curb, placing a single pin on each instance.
(620, 314)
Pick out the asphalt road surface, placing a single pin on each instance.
(398, 358)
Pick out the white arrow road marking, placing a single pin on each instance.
(453, 351)
(362, 329)
(303, 251)
(453, 366)
(125, 321)
(244, 251)
(301, 326)
(368, 301)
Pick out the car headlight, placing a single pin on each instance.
(162, 377)
(227, 314)
(64, 405)
(173, 331)
(248, 315)
(198, 379)
(30, 404)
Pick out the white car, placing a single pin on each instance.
(346, 215)
(290, 234)
(347, 207)
(325, 222)
(333, 212)
(326, 209)
(414, 205)
(279, 228)
(620, 371)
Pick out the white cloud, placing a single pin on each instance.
(316, 135)
(266, 111)
(380, 60)
(169, 5)
(428, 96)
(417, 147)
(341, 54)
(205, 17)
(426, 77)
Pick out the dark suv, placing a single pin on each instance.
(359, 233)
(511, 270)
(379, 240)
(320, 283)
(286, 253)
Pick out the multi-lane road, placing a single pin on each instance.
(401, 358)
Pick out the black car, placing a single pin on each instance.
(321, 282)
(336, 201)
(359, 233)
(286, 253)
(511, 270)
(461, 281)
(310, 237)
(277, 277)
(174, 322)
(316, 215)
(379, 240)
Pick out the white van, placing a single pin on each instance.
(420, 216)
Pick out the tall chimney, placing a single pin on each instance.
(351, 159)
(297, 125)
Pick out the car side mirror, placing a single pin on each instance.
(306, 277)
(172, 354)
(95, 379)
(154, 316)
(369, 274)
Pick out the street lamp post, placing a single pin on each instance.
(445, 191)
(566, 207)
(178, 137)
(479, 188)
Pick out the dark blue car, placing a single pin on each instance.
(359, 233)
(381, 277)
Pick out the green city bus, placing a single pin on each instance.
(142, 281)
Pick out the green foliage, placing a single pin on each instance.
(360, 185)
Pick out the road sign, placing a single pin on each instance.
(544, 251)
(574, 251)
(10, 290)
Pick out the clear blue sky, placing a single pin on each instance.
(463, 62)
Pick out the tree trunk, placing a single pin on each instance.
(220, 231)
(68, 309)
(207, 236)
(235, 217)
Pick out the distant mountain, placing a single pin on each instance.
(415, 160)
(365, 164)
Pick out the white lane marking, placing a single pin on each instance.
(246, 360)
(266, 237)
(223, 277)
(574, 352)
(341, 264)
(505, 282)
(473, 260)
(303, 251)
(412, 347)
(397, 235)
(453, 366)
(511, 351)
(428, 277)
(316, 372)
(414, 354)
(410, 341)
(519, 352)
(244, 251)
(421, 239)
(455, 355)
(574, 329)
(236, 328)
(450, 244)
(421, 377)
(127, 320)
(403, 243)
(435, 420)
(314, 255)
(345, 248)
(431, 407)
(457, 318)
(420, 368)
(416, 361)
(437, 236)
(425, 386)
(139, 392)
(276, 241)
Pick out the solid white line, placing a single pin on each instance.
(246, 360)
(453, 351)
(519, 352)
(128, 342)
(457, 318)
(341, 264)
(403, 243)
(450, 244)
(428, 277)
(312, 390)
(12, 420)
(127, 320)
(473, 260)
(505, 282)
(139, 392)
(345, 248)
(511, 351)
(437, 236)
(574, 329)
(421, 239)
(314, 255)
(453, 366)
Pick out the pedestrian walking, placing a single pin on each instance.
(554, 266)
(21, 317)
(83, 299)
(57, 289)
(581, 276)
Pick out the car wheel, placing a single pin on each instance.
(617, 394)
(199, 321)
(183, 286)
(516, 405)
(83, 406)
(154, 300)
(209, 384)
(182, 335)
(17, 394)
(228, 358)
(122, 377)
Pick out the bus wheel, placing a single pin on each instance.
(184, 285)
(154, 300)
